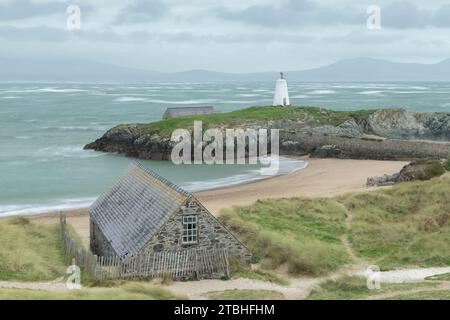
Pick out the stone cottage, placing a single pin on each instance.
(143, 212)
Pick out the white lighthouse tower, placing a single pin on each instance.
(281, 97)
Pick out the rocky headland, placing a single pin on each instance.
(384, 134)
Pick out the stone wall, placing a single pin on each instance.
(98, 243)
(327, 146)
(211, 233)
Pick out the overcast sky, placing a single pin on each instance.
(225, 35)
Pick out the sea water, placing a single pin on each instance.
(44, 126)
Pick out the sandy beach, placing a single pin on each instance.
(322, 178)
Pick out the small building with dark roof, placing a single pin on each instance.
(187, 111)
(143, 213)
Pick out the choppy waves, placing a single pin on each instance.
(65, 152)
(287, 166)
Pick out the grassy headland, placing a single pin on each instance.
(383, 134)
(313, 116)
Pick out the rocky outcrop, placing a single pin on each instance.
(385, 180)
(392, 134)
(327, 151)
(416, 170)
(128, 140)
(349, 129)
(401, 124)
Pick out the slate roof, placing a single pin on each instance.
(179, 112)
(132, 211)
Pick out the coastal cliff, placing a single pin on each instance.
(364, 134)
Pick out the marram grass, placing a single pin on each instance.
(30, 252)
(407, 225)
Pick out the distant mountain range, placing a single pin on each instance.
(351, 70)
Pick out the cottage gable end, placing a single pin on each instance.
(209, 232)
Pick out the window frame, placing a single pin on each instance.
(190, 229)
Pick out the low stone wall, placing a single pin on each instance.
(323, 146)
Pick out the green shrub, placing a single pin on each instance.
(434, 169)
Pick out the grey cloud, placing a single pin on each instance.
(25, 9)
(441, 18)
(405, 15)
(142, 11)
(399, 15)
(292, 13)
(47, 34)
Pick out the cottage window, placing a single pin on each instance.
(189, 230)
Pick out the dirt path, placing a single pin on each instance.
(410, 275)
(443, 285)
(299, 288)
(57, 285)
(345, 237)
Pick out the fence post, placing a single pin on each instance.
(196, 265)
(227, 263)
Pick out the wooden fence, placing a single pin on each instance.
(198, 263)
